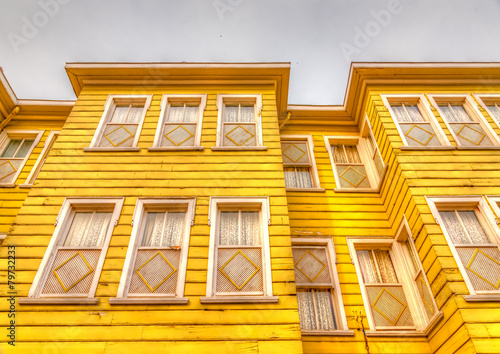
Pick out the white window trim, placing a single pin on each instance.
(62, 225)
(422, 327)
(165, 107)
(5, 137)
(310, 152)
(343, 328)
(472, 110)
(128, 267)
(363, 151)
(214, 206)
(257, 100)
(106, 116)
(494, 202)
(47, 147)
(426, 111)
(482, 98)
(490, 224)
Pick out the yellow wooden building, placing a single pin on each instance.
(187, 207)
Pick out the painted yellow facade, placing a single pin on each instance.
(464, 323)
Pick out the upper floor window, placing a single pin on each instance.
(469, 227)
(417, 126)
(491, 103)
(121, 123)
(47, 147)
(180, 122)
(465, 122)
(15, 149)
(356, 161)
(298, 162)
(239, 123)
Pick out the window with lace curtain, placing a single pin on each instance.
(470, 229)
(15, 149)
(239, 121)
(298, 162)
(73, 261)
(395, 289)
(491, 103)
(179, 126)
(239, 263)
(417, 126)
(465, 122)
(156, 259)
(121, 122)
(318, 292)
(356, 163)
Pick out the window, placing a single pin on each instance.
(415, 122)
(491, 103)
(356, 160)
(298, 162)
(121, 123)
(73, 261)
(239, 122)
(318, 291)
(394, 286)
(239, 259)
(47, 147)
(155, 266)
(180, 122)
(464, 121)
(15, 149)
(469, 227)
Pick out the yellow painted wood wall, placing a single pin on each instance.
(200, 328)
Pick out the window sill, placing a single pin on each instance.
(395, 334)
(25, 185)
(148, 301)
(58, 301)
(479, 298)
(355, 190)
(181, 148)
(318, 190)
(107, 149)
(239, 148)
(327, 333)
(238, 299)
(7, 185)
(478, 147)
(427, 148)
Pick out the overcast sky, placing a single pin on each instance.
(319, 38)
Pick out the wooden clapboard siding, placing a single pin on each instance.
(71, 172)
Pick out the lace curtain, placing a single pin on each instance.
(164, 229)
(408, 114)
(316, 305)
(17, 148)
(239, 228)
(231, 114)
(298, 177)
(376, 266)
(181, 114)
(88, 229)
(470, 233)
(345, 154)
(126, 114)
(455, 114)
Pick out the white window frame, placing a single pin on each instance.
(256, 100)
(399, 259)
(484, 99)
(109, 107)
(312, 164)
(366, 155)
(488, 221)
(7, 135)
(425, 110)
(63, 223)
(47, 147)
(473, 112)
(140, 211)
(166, 101)
(251, 203)
(494, 202)
(327, 244)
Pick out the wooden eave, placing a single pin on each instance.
(8, 98)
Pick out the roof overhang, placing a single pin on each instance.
(156, 74)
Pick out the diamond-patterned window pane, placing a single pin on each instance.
(389, 306)
(295, 152)
(178, 135)
(419, 134)
(155, 271)
(482, 266)
(471, 134)
(311, 266)
(239, 135)
(8, 169)
(353, 177)
(116, 135)
(239, 270)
